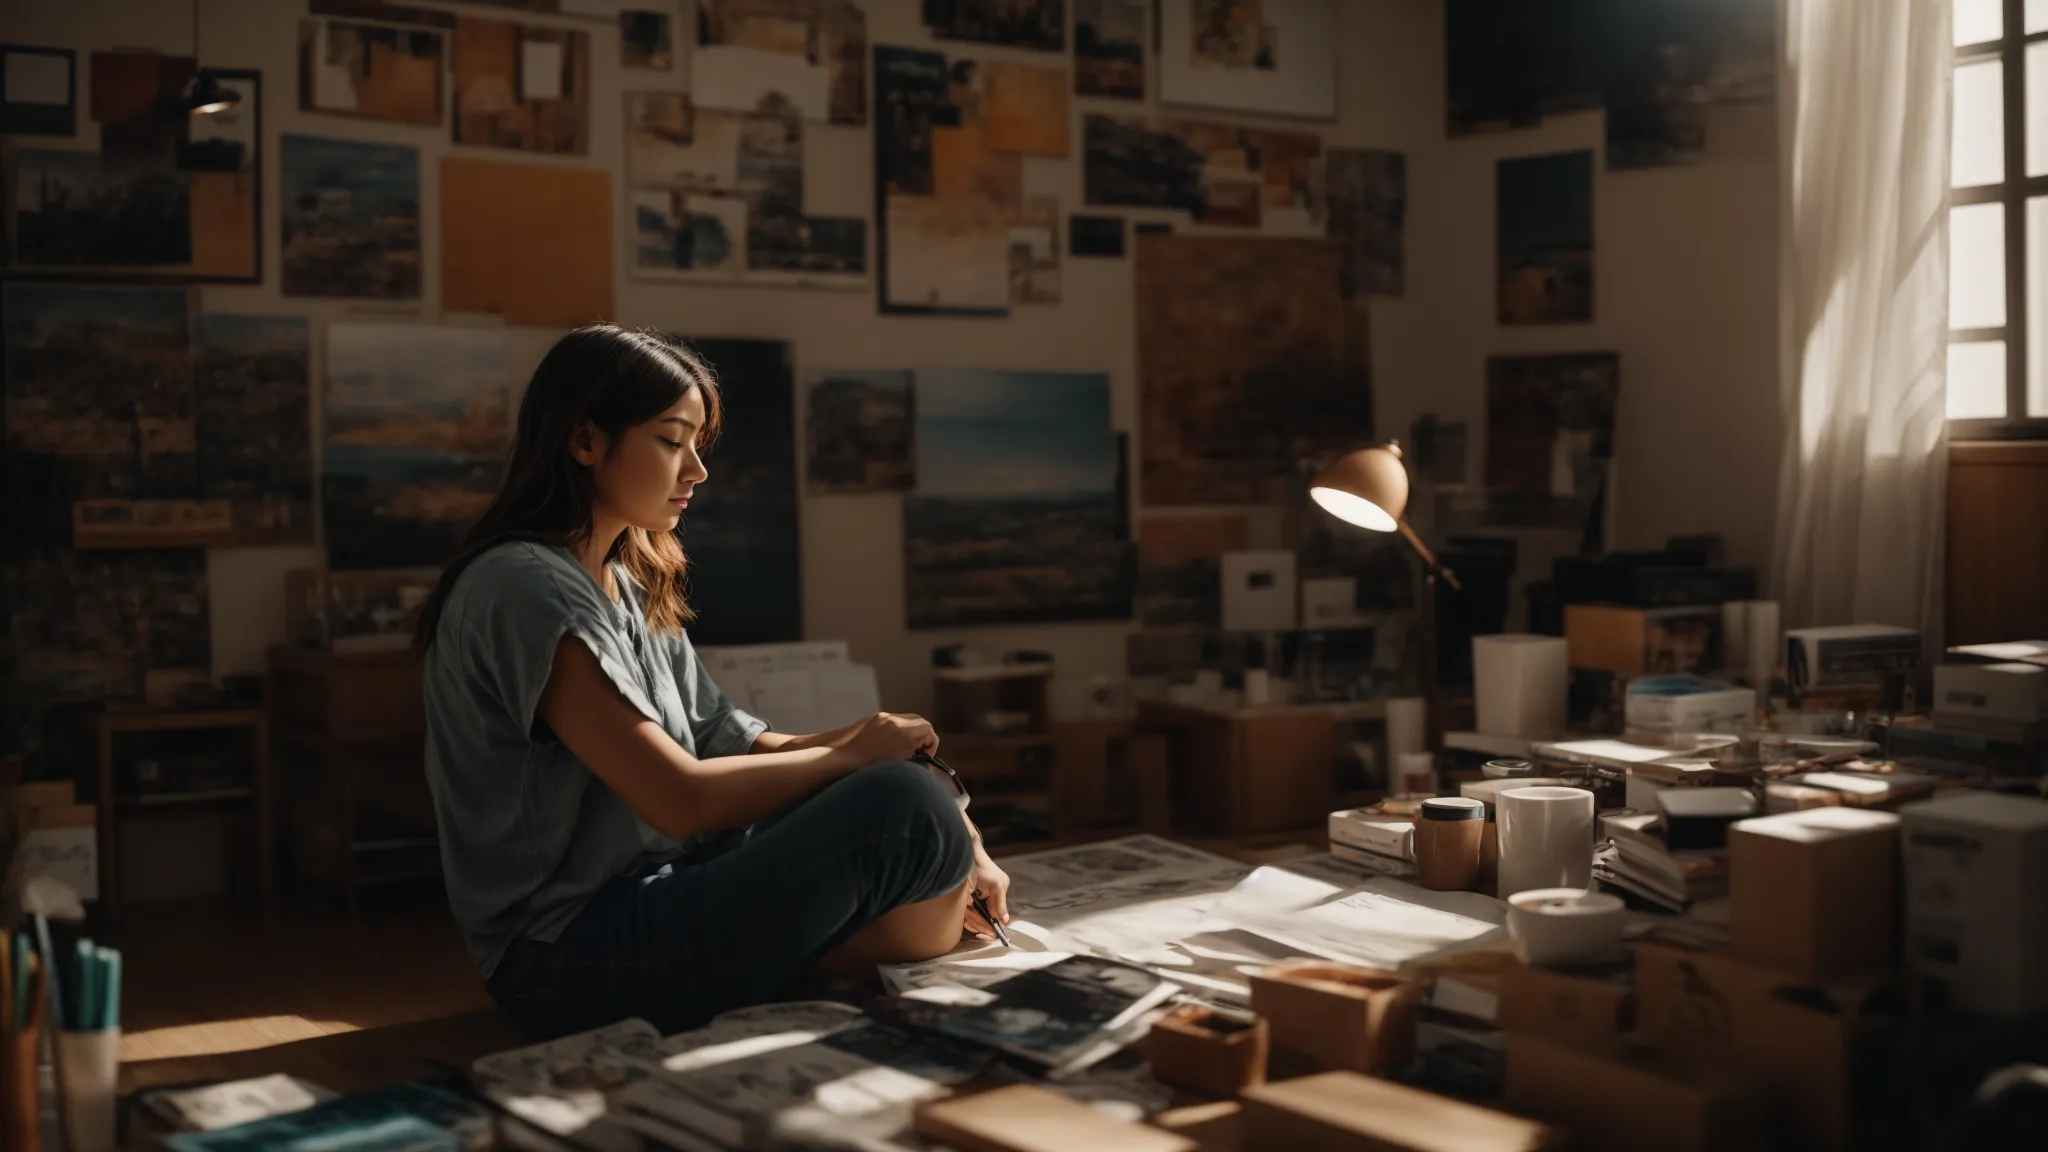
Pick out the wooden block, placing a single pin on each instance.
(1199, 1050)
(1338, 1016)
(1347, 1112)
(1022, 1118)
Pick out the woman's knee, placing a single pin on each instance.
(915, 803)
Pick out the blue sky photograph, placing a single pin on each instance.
(998, 433)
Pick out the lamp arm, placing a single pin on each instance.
(1428, 557)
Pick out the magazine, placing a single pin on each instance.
(398, 1118)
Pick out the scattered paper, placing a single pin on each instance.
(219, 1106)
(540, 70)
(38, 78)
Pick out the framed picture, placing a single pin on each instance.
(193, 214)
(1277, 57)
(41, 91)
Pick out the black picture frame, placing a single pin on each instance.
(40, 119)
(252, 106)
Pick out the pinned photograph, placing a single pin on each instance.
(521, 86)
(1035, 252)
(645, 40)
(1109, 48)
(1277, 57)
(1095, 235)
(1039, 24)
(377, 71)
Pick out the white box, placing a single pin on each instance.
(1368, 830)
(1684, 704)
(1519, 684)
(2017, 692)
(1976, 866)
(1849, 654)
(1258, 592)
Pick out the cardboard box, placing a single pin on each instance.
(1347, 1112)
(1338, 1016)
(41, 794)
(1023, 1118)
(1810, 1044)
(1519, 685)
(1976, 868)
(1201, 1051)
(1672, 704)
(1641, 1099)
(2012, 692)
(1634, 641)
(1217, 1127)
(1849, 654)
(1590, 1008)
(1814, 893)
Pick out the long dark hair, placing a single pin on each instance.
(615, 378)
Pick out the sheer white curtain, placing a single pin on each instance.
(1863, 291)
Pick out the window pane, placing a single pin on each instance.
(1976, 266)
(2037, 306)
(1981, 20)
(2037, 108)
(1977, 147)
(2037, 15)
(1976, 381)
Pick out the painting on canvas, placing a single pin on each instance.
(1016, 515)
(741, 530)
(417, 422)
(1109, 48)
(1277, 57)
(1180, 566)
(1545, 237)
(859, 432)
(945, 196)
(351, 218)
(1550, 422)
(255, 431)
(93, 626)
(1251, 367)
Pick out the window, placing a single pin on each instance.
(1998, 221)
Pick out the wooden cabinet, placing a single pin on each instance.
(1249, 772)
(351, 738)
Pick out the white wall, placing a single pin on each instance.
(1684, 292)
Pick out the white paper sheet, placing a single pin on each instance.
(34, 78)
(1384, 924)
(540, 70)
(847, 693)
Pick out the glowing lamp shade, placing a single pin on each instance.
(207, 96)
(1368, 488)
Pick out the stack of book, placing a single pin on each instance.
(1636, 860)
(1373, 842)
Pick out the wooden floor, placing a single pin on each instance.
(206, 983)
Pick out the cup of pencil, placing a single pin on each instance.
(88, 1047)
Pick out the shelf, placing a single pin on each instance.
(170, 720)
(161, 801)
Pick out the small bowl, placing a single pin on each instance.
(1565, 925)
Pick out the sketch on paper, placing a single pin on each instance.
(1015, 516)
(860, 432)
(1545, 214)
(417, 421)
(350, 218)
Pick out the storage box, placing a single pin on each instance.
(1024, 1118)
(1519, 685)
(1590, 1008)
(1216, 1127)
(1337, 1016)
(1811, 1045)
(1634, 641)
(2013, 692)
(1640, 1099)
(1369, 831)
(1814, 894)
(1671, 704)
(1976, 869)
(1849, 654)
(1197, 1049)
(1346, 1112)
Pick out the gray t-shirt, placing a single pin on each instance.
(528, 834)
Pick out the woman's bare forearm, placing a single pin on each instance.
(769, 742)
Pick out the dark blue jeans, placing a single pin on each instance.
(740, 920)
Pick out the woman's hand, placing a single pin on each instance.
(887, 736)
(992, 884)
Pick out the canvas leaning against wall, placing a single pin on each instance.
(1017, 515)
(417, 423)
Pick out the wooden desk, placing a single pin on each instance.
(114, 806)
(1251, 772)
